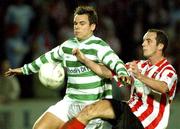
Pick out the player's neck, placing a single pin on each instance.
(154, 60)
(87, 37)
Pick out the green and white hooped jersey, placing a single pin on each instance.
(83, 85)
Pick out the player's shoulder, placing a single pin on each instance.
(137, 62)
(97, 41)
(68, 42)
(168, 66)
(71, 40)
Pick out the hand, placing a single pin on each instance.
(13, 72)
(80, 56)
(133, 68)
(125, 80)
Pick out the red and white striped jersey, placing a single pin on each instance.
(152, 107)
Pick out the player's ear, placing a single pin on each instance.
(160, 46)
(93, 27)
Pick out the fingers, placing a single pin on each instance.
(125, 80)
(79, 55)
(12, 72)
(133, 68)
(8, 73)
(74, 51)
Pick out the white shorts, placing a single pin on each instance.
(67, 109)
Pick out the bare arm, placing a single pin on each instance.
(156, 85)
(99, 69)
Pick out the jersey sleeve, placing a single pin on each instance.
(115, 80)
(170, 78)
(54, 56)
(110, 59)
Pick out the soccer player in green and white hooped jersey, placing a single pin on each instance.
(83, 86)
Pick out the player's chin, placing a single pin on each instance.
(79, 38)
(77, 34)
(145, 54)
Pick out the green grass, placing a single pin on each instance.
(174, 121)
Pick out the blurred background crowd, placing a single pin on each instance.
(29, 28)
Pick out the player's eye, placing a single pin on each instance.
(75, 23)
(82, 23)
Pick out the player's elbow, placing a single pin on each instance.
(108, 75)
(164, 88)
(105, 72)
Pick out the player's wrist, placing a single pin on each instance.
(22, 71)
(139, 76)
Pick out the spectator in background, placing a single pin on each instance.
(108, 32)
(15, 47)
(40, 40)
(58, 15)
(21, 14)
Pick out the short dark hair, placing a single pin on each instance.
(161, 37)
(90, 11)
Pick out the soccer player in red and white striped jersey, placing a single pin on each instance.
(152, 104)
(152, 91)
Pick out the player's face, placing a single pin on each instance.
(150, 47)
(82, 27)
